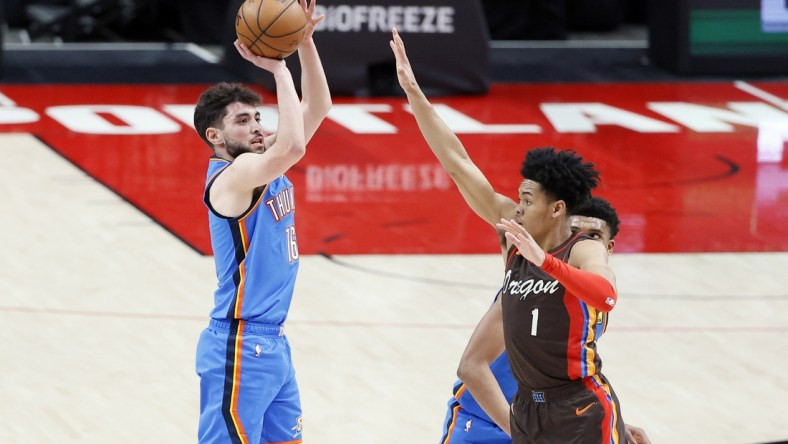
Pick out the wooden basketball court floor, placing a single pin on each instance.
(101, 309)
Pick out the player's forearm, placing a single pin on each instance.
(591, 288)
(314, 86)
(290, 132)
(480, 381)
(442, 141)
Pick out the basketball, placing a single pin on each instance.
(271, 28)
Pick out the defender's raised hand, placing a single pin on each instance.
(404, 72)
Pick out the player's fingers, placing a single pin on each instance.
(504, 225)
(397, 55)
(397, 38)
(319, 19)
(641, 437)
(241, 48)
(511, 225)
(399, 47)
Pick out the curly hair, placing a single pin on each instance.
(213, 102)
(601, 209)
(562, 174)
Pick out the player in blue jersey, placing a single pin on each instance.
(466, 421)
(248, 390)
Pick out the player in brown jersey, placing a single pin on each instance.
(557, 285)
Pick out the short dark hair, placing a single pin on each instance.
(213, 102)
(601, 209)
(562, 174)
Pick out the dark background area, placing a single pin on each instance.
(529, 41)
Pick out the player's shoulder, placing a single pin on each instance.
(586, 249)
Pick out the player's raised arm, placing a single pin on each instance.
(315, 95)
(250, 170)
(474, 186)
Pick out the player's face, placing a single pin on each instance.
(534, 211)
(242, 131)
(594, 227)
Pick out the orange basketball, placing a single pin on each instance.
(271, 28)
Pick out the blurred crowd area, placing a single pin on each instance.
(199, 21)
(557, 19)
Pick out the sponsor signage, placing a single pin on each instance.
(447, 41)
(690, 167)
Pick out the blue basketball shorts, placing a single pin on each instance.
(462, 427)
(248, 390)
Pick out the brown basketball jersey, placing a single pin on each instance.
(550, 333)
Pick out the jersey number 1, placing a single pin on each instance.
(534, 320)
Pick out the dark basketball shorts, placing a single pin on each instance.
(582, 412)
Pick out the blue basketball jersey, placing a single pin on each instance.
(503, 375)
(262, 239)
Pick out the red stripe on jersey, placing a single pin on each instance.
(512, 253)
(610, 421)
(574, 342)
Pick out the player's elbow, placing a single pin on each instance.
(324, 106)
(468, 369)
(608, 304)
(295, 150)
(317, 109)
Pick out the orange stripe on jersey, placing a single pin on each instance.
(610, 421)
(254, 205)
(604, 322)
(452, 425)
(239, 292)
(581, 358)
(236, 383)
(213, 176)
(590, 337)
(460, 392)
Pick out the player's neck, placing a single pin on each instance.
(555, 237)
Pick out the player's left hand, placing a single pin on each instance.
(407, 79)
(267, 63)
(311, 20)
(521, 238)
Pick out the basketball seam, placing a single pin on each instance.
(265, 31)
(257, 14)
(280, 50)
(285, 35)
(257, 37)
